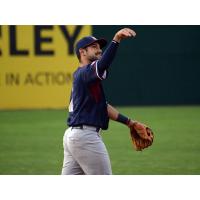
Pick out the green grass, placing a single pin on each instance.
(31, 141)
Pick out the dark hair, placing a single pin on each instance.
(79, 57)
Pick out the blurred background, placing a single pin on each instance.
(154, 79)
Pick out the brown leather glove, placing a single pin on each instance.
(142, 136)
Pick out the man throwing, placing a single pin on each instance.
(89, 112)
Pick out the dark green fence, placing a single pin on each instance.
(161, 66)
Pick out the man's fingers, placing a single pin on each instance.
(126, 32)
(131, 32)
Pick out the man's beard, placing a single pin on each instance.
(94, 57)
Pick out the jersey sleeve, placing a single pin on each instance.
(99, 68)
(91, 72)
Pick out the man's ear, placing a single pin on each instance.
(82, 51)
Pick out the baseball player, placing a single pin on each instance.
(89, 112)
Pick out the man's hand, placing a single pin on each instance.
(142, 136)
(124, 33)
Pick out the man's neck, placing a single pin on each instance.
(83, 63)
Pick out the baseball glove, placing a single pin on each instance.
(142, 136)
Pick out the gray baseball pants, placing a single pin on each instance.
(85, 152)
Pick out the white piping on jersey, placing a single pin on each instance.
(71, 108)
(104, 74)
(71, 105)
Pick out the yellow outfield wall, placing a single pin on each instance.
(36, 65)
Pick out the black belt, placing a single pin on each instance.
(97, 129)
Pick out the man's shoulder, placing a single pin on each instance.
(79, 71)
(84, 68)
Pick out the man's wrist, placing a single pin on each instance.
(117, 39)
(123, 119)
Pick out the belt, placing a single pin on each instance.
(87, 127)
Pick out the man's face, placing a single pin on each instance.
(93, 52)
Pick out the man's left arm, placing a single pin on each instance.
(142, 136)
(114, 115)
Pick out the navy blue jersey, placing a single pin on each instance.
(87, 102)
